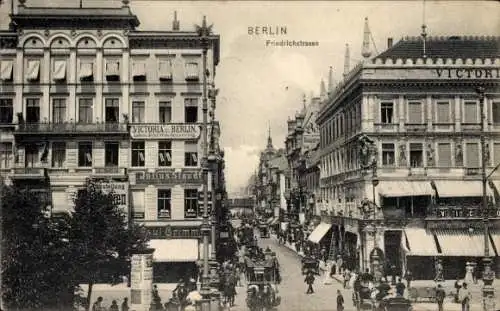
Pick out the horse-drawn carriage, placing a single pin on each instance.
(263, 277)
(310, 264)
(368, 296)
(263, 230)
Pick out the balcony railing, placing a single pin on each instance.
(65, 128)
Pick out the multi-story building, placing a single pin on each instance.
(84, 93)
(401, 154)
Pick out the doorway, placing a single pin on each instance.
(392, 242)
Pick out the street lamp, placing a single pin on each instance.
(488, 274)
(204, 32)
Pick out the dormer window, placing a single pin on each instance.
(139, 71)
(165, 70)
(6, 69)
(113, 70)
(59, 71)
(33, 71)
(86, 71)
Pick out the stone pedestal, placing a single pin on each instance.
(141, 283)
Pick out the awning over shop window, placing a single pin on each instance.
(272, 221)
(404, 188)
(461, 188)
(420, 242)
(175, 250)
(495, 236)
(461, 243)
(319, 232)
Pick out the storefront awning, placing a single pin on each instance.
(404, 188)
(319, 232)
(174, 250)
(461, 243)
(420, 242)
(272, 221)
(460, 188)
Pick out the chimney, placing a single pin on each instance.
(175, 23)
(389, 43)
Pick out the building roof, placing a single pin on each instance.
(43, 17)
(279, 162)
(445, 47)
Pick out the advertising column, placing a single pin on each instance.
(141, 281)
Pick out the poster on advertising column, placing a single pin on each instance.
(120, 193)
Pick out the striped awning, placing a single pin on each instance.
(461, 243)
(420, 242)
(404, 188)
(495, 237)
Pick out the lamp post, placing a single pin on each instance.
(488, 274)
(204, 32)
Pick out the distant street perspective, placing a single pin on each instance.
(249, 155)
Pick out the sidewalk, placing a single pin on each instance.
(287, 245)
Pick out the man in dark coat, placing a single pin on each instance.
(440, 294)
(340, 301)
(309, 280)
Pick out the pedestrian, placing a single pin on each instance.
(400, 288)
(340, 301)
(114, 306)
(347, 277)
(409, 278)
(97, 306)
(125, 304)
(465, 297)
(440, 294)
(457, 289)
(393, 274)
(340, 264)
(309, 280)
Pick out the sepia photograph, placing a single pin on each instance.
(234, 155)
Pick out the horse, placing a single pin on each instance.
(253, 297)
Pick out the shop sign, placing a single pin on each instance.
(165, 131)
(120, 193)
(159, 232)
(467, 73)
(170, 176)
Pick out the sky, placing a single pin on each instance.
(261, 85)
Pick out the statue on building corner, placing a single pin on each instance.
(430, 155)
(459, 159)
(402, 155)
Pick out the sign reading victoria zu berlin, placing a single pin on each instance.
(165, 131)
(170, 176)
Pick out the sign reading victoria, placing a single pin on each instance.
(170, 176)
(165, 131)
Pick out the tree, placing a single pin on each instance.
(35, 253)
(101, 238)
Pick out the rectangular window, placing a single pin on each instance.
(32, 155)
(139, 71)
(444, 154)
(58, 110)
(59, 71)
(6, 155)
(416, 155)
(388, 155)
(470, 112)
(386, 112)
(32, 110)
(6, 111)
(165, 111)
(472, 155)
(85, 114)
(191, 110)
(190, 154)
(58, 154)
(165, 70)
(496, 153)
(496, 112)
(165, 153)
(86, 73)
(112, 70)
(192, 72)
(164, 203)
(111, 151)
(138, 153)
(443, 112)
(415, 113)
(112, 110)
(6, 70)
(138, 111)
(85, 154)
(190, 203)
